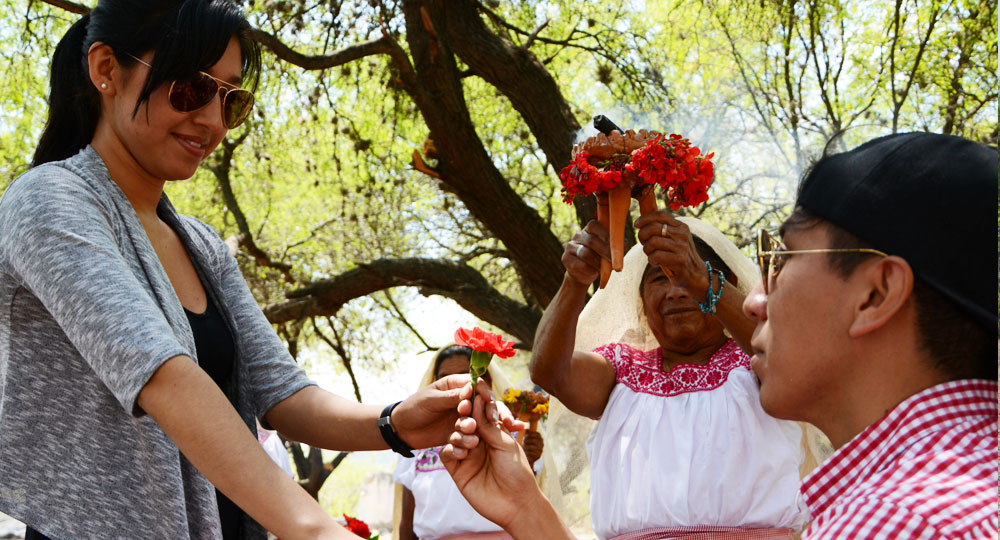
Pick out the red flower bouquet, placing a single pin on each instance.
(359, 528)
(677, 167)
(484, 345)
(669, 162)
(617, 167)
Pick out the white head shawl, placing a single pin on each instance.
(615, 314)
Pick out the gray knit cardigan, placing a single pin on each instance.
(87, 315)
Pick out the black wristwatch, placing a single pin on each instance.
(390, 435)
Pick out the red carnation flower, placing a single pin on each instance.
(480, 340)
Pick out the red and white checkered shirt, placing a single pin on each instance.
(927, 470)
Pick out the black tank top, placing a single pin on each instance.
(217, 356)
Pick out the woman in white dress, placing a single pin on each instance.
(430, 506)
(682, 446)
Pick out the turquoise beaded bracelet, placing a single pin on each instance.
(713, 296)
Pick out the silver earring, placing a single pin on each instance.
(104, 86)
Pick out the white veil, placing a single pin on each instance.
(614, 314)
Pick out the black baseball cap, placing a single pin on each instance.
(928, 198)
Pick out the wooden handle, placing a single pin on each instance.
(647, 201)
(619, 200)
(647, 205)
(602, 218)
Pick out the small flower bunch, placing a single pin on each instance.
(484, 345)
(582, 178)
(521, 402)
(670, 162)
(676, 166)
(359, 528)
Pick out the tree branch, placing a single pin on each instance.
(518, 74)
(71, 7)
(322, 61)
(450, 279)
(341, 351)
(245, 238)
(402, 318)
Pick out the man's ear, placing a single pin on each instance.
(889, 285)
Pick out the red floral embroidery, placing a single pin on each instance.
(641, 371)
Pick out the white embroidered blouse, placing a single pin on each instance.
(689, 447)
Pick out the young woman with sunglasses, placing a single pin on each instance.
(134, 362)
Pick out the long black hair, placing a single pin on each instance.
(186, 36)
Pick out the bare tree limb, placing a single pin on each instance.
(402, 318)
(453, 280)
(71, 7)
(221, 169)
(322, 61)
(338, 347)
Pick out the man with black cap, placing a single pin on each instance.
(876, 322)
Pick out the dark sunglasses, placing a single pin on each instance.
(770, 256)
(197, 91)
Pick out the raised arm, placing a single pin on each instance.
(667, 243)
(582, 380)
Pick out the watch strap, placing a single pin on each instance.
(389, 433)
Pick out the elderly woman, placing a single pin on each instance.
(682, 446)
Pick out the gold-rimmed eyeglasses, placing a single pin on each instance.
(770, 256)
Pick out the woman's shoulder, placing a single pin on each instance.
(54, 186)
(48, 181)
(51, 197)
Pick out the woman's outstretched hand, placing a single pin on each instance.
(427, 418)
